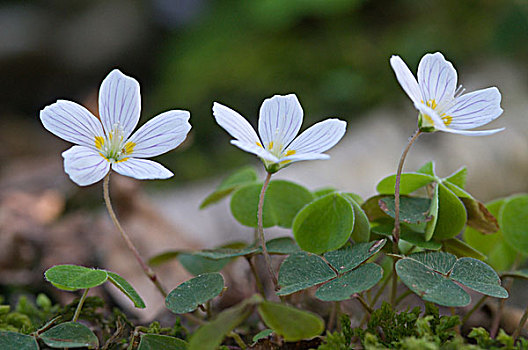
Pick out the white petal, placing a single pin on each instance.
(473, 132)
(119, 102)
(161, 134)
(475, 109)
(319, 137)
(253, 148)
(437, 78)
(236, 125)
(280, 120)
(141, 169)
(406, 79)
(71, 122)
(305, 156)
(84, 165)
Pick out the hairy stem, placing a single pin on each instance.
(396, 230)
(364, 304)
(261, 231)
(473, 309)
(80, 305)
(146, 269)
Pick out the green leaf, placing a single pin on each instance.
(198, 265)
(126, 288)
(409, 182)
(325, 224)
(163, 258)
(302, 270)
(73, 277)
(459, 192)
(282, 202)
(70, 335)
(321, 192)
(350, 257)
(514, 222)
(361, 230)
(458, 178)
(437, 261)
(282, 246)
(461, 249)
(433, 212)
(194, 292)
(522, 274)
(17, 341)
(242, 177)
(451, 214)
(210, 335)
(418, 239)
(413, 210)
(161, 342)
(499, 253)
(372, 209)
(262, 334)
(356, 281)
(429, 285)
(478, 276)
(291, 323)
(427, 169)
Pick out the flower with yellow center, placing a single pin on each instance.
(105, 144)
(441, 104)
(279, 123)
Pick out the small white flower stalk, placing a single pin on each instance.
(279, 123)
(441, 104)
(105, 144)
(101, 145)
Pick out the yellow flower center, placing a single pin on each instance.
(113, 148)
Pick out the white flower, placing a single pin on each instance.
(441, 104)
(279, 122)
(105, 144)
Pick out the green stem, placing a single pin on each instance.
(364, 304)
(379, 292)
(80, 305)
(146, 269)
(237, 339)
(267, 257)
(520, 325)
(394, 289)
(473, 309)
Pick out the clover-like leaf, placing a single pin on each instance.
(461, 249)
(302, 270)
(478, 276)
(236, 180)
(522, 274)
(458, 178)
(73, 277)
(161, 342)
(429, 285)
(451, 214)
(409, 182)
(321, 192)
(385, 227)
(433, 213)
(282, 246)
(126, 288)
(427, 169)
(194, 292)
(291, 323)
(262, 335)
(351, 256)
(210, 335)
(17, 341)
(325, 224)
(70, 335)
(361, 230)
(356, 281)
(437, 261)
(282, 201)
(413, 210)
(514, 222)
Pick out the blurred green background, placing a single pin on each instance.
(334, 54)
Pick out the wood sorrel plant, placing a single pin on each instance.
(339, 240)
